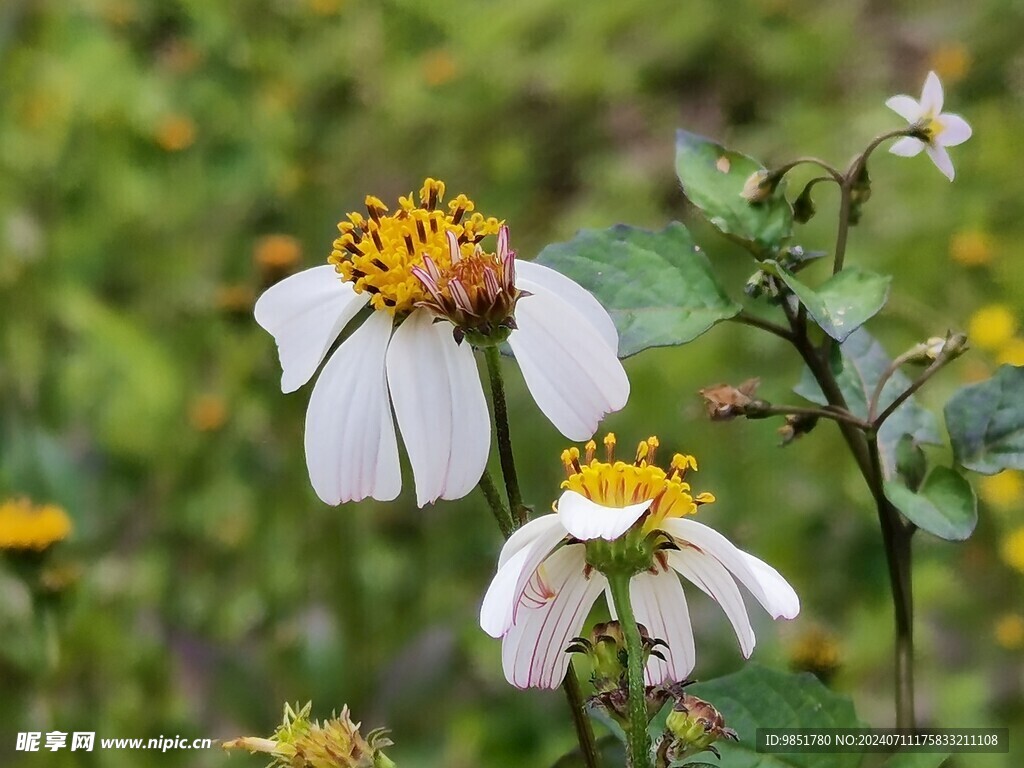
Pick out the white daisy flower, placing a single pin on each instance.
(416, 267)
(547, 581)
(942, 129)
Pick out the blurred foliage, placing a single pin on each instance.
(148, 150)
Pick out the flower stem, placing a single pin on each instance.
(501, 426)
(584, 729)
(638, 742)
(502, 515)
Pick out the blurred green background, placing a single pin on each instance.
(161, 163)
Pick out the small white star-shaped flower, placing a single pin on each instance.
(942, 129)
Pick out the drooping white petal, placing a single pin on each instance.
(351, 450)
(906, 107)
(585, 519)
(572, 374)
(305, 313)
(496, 609)
(908, 146)
(778, 599)
(660, 605)
(533, 651)
(533, 277)
(440, 407)
(529, 533)
(541, 547)
(955, 130)
(940, 157)
(714, 580)
(931, 95)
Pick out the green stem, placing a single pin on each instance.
(638, 742)
(501, 426)
(502, 515)
(896, 538)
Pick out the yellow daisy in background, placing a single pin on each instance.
(1011, 353)
(971, 248)
(24, 526)
(1003, 491)
(1009, 631)
(1013, 549)
(991, 327)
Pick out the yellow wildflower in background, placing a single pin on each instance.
(991, 327)
(207, 413)
(26, 526)
(1013, 549)
(816, 651)
(971, 248)
(277, 251)
(951, 62)
(175, 133)
(1011, 353)
(1003, 491)
(1009, 631)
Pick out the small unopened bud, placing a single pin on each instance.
(797, 425)
(606, 649)
(928, 351)
(760, 185)
(803, 206)
(694, 726)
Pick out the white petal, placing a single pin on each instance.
(931, 95)
(781, 600)
(533, 277)
(533, 652)
(351, 449)
(500, 599)
(588, 520)
(541, 547)
(573, 375)
(715, 581)
(305, 313)
(529, 533)
(955, 130)
(660, 605)
(778, 599)
(908, 146)
(940, 157)
(906, 107)
(440, 407)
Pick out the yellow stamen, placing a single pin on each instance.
(617, 484)
(377, 254)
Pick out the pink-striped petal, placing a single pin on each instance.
(533, 651)
(660, 605)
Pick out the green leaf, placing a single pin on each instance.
(757, 697)
(858, 364)
(610, 748)
(713, 178)
(916, 760)
(657, 286)
(986, 422)
(945, 505)
(844, 302)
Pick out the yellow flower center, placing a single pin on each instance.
(377, 253)
(612, 483)
(23, 526)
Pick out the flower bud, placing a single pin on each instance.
(760, 185)
(803, 206)
(693, 726)
(606, 649)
